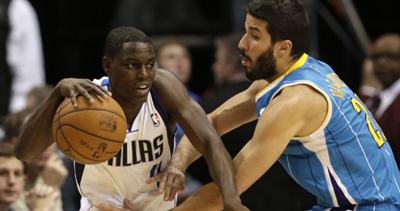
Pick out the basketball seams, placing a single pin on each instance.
(88, 109)
(66, 140)
(59, 111)
(64, 124)
(92, 134)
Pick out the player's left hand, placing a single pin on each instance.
(171, 181)
(105, 207)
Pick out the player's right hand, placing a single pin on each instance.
(171, 181)
(103, 207)
(72, 87)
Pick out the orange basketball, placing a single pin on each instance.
(90, 133)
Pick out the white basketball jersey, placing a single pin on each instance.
(149, 145)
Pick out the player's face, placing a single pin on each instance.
(131, 72)
(256, 50)
(386, 60)
(176, 59)
(11, 179)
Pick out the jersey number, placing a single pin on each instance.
(155, 170)
(376, 134)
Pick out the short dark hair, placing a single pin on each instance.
(287, 20)
(118, 36)
(7, 150)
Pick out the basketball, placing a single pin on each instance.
(91, 133)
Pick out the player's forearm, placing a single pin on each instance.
(184, 155)
(207, 198)
(222, 171)
(36, 134)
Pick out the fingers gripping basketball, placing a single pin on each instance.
(90, 133)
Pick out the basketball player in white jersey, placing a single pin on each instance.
(153, 102)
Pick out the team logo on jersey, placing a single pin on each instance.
(108, 122)
(155, 119)
(262, 111)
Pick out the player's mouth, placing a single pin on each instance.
(245, 59)
(143, 89)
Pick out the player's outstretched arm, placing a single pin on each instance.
(295, 112)
(236, 111)
(36, 135)
(194, 122)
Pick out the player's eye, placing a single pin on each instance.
(150, 65)
(132, 66)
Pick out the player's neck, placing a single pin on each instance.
(131, 113)
(282, 66)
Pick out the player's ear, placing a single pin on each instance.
(106, 64)
(284, 47)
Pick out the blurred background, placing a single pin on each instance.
(73, 31)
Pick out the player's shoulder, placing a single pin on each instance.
(168, 88)
(103, 81)
(166, 80)
(301, 96)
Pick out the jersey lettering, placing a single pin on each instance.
(376, 134)
(147, 151)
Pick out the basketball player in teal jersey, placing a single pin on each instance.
(153, 101)
(308, 120)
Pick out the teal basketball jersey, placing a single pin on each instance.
(347, 161)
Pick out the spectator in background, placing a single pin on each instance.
(173, 55)
(385, 104)
(21, 56)
(45, 170)
(12, 177)
(21, 62)
(229, 75)
(37, 95)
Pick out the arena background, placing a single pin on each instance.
(73, 31)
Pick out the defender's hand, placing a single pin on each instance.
(72, 87)
(171, 181)
(104, 207)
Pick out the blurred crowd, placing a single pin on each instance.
(48, 182)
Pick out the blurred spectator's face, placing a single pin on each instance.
(176, 59)
(385, 56)
(11, 179)
(40, 161)
(220, 66)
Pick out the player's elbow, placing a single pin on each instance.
(20, 156)
(20, 153)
